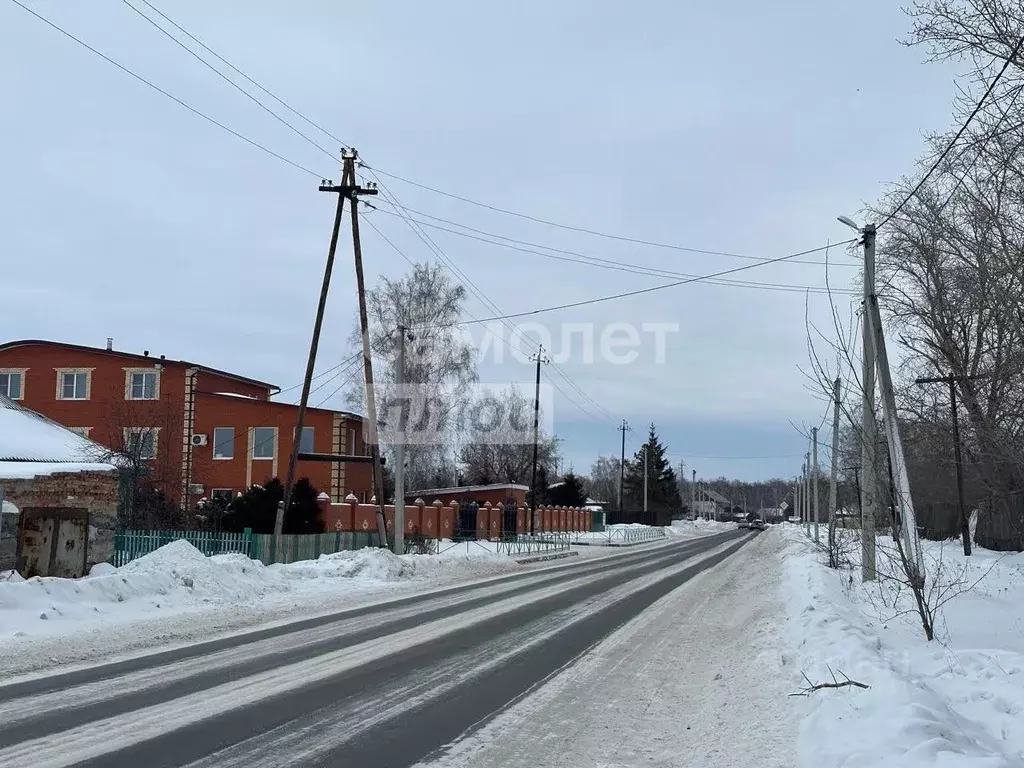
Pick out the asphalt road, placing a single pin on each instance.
(385, 685)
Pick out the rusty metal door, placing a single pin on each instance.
(53, 541)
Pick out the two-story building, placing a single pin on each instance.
(198, 431)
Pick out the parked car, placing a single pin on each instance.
(759, 525)
(744, 524)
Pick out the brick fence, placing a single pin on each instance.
(440, 520)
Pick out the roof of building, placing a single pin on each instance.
(31, 444)
(468, 489)
(710, 495)
(133, 356)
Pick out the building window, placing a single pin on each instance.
(263, 439)
(351, 442)
(12, 384)
(73, 384)
(223, 442)
(83, 431)
(142, 385)
(306, 441)
(140, 442)
(221, 496)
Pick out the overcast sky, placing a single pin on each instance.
(742, 128)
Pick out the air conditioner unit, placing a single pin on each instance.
(196, 489)
(200, 440)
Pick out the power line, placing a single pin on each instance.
(548, 222)
(447, 262)
(224, 77)
(265, 90)
(653, 288)
(170, 96)
(956, 138)
(575, 253)
(636, 269)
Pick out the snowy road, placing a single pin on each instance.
(388, 685)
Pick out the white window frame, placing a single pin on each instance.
(81, 431)
(130, 373)
(155, 431)
(20, 373)
(234, 438)
(312, 447)
(62, 372)
(252, 444)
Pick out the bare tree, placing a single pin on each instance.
(440, 366)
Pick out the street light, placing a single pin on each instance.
(849, 222)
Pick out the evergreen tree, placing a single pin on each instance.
(569, 493)
(662, 485)
(256, 508)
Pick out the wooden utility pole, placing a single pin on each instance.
(370, 427)
(347, 186)
(539, 357)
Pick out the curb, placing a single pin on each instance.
(542, 558)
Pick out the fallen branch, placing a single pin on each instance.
(846, 682)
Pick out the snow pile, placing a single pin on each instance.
(178, 578)
(956, 701)
(692, 529)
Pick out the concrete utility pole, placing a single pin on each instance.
(898, 462)
(807, 494)
(693, 495)
(796, 497)
(814, 433)
(539, 357)
(400, 446)
(622, 460)
(833, 489)
(350, 189)
(965, 522)
(869, 495)
(647, 462)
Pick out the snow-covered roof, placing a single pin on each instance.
(26, 470)
(27, 437)
(468, 489)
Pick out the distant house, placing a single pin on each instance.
(59, 486)
(711, 504)
(494, 493)
(198, 431)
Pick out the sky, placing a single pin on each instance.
(743, 128)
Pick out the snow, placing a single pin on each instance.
(145, 601)
(696, 680)
(26, 470)
(692, 529)
(27, 436)
(955, 701)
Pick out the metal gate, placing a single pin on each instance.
(53, 541)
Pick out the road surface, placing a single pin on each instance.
(387, 685)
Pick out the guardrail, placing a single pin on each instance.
(618, 537)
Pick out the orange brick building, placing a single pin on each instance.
(202, 432)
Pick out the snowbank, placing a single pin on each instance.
(956, 701)
(178, 578)
(692, 529)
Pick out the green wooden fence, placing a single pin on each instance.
(129, 545)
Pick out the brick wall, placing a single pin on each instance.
(95, 491)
